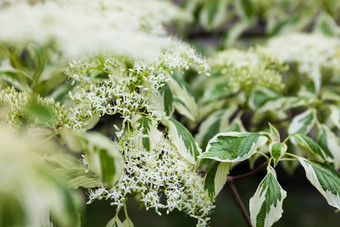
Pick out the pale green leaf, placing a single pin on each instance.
(217, 122)
(128, 223)
(274, 134)
(216, 177)
(213, 13)
(303, 122)
(313, 147)
(335, 115)
(115, 222)
(329, 142)
(277, 150)
(266, 204)
(184, 99)
(233, 146)
(184, 141)
(325, 179)
(168, 99)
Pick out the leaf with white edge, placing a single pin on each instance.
(102, 154)
(103, 157)
(215, 123)
(147, 127)
(329, 142)
(277, 150)
(325, 179)
(303, 122)
(184, 99)
(168, 99)
(216, 177)
(115, 222)
(260, 96)
(335, 115)
(307, 142)
(326, 25)
(144, 125)
(274, 134)
(233, 146)
(266, 204)
(213, 13)
(184, 141)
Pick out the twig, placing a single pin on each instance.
(253, 172)
(239, 202)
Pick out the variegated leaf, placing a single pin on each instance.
(102, 154)
(325, 179)
(184, 99)
(274, 134)
(233, 146)
(307, 142)
(266, 204)
(213, 13)
(184, 141)
(329, 142)
(303, 122)
(216, 177)
(215, 123)
(277, 150)
(168, 99)
(335, 115)
(103, 157)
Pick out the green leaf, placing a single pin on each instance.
(325, 179)
(335, 115)
(329, 142)
(303, 122)
(233, 146)
(115, 222)
(39, 112)
(213, 13)
(274, 134)
(277, 150)
(144, 125)
(234, 32)
(266, 204)
(307, 142)
(102, 154)
(215, 123)
(128, 223)
(184, 141)
(184, 98)
(260, 96)
(216, 177)
(168, 99)
(326, 25)
(246, 8)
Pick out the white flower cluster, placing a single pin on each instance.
(245, 69)
(111, 85)
(310, 51)
(127, 88)
(130, 28)
(15, 105)
(159, 171)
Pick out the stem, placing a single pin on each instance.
(45, 140)
(238, 200)
(253, 172)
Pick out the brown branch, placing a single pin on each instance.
(239, 202)
(253, 172)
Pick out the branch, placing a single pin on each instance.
(239, 202)
(253, 172)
